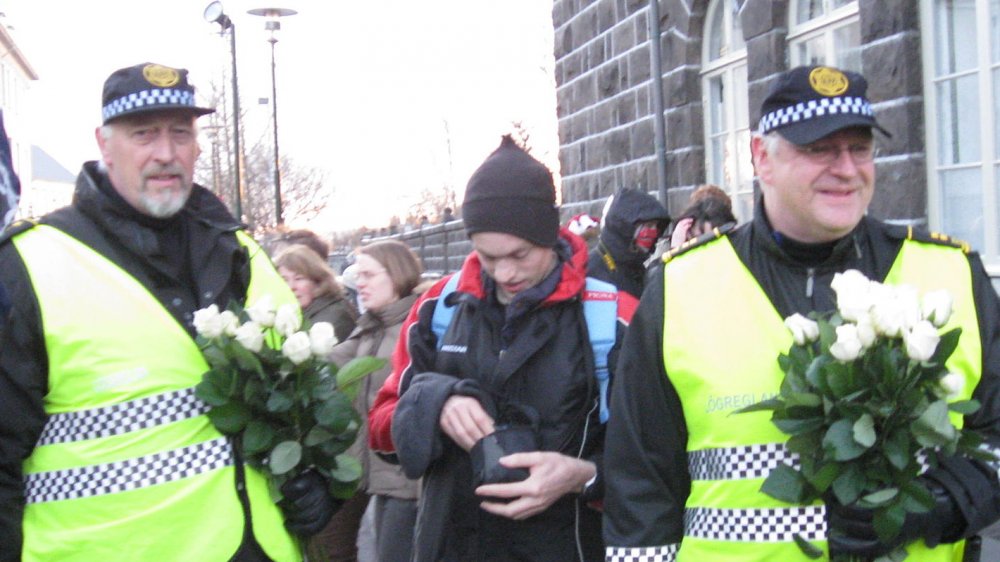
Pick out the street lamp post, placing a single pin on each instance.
(273, 25)
(215, 14)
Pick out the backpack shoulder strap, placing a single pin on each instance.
(443, 312)
(600, 309)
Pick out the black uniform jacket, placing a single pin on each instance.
(644, 499)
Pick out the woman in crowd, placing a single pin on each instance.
(387, 274)
(316, 288)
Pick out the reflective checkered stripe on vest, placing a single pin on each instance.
(128, 466)
(723, 362)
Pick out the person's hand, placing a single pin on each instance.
(852, 531)
(680, 234)
(307, 505)
(553, 475)
(465, 421)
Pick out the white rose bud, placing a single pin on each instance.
(297, 348)
(854, 294)
(208, 322)
(322, 339)
(848, 345)
(262, 311)
(803, 329)
(229, 322)
(288, 319)
(887, 314)
(921, 341)
(251, 336)
(936, 307)
(909, 303)
(952, 385)
(866, 332)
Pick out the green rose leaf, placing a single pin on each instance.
(257, 437)
(229, 418)
(946, 346)
(933, 428)
(879, 498)
(965, 407)
(769, 404)
(318, 434)
(280, 401)
(839, 441)
(795, 426)
(210, 391)
(888, 522)
(864, 431)
(807, 399)
(916, 497)
(785, 483)
(897, 448)
(285, 456)
(809, 549)
(348, 469)
(342, 490)
(357, 369)
(336, 413)
(849, 485)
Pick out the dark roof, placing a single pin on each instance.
(45, 167)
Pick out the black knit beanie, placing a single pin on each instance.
(512, 193)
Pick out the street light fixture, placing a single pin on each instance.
(215, 14)
(273, 26)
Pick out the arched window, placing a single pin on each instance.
(962, 114)
(825, 32)
(724, 99)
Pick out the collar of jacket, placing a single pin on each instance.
(571, 283)
(763, 237)
(392, 314)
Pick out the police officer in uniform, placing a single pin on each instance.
(105, 453)
(683, 474)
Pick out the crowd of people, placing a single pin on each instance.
(547, 402)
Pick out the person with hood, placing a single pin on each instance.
(632, 223)
(105, 452)
(500, 415)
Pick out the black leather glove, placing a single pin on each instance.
(852, 532)
(308, 505)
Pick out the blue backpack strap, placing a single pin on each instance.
(600, 308)
(442, 311)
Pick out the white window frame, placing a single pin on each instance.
(819, 27)
(736, 122)
(988, 158)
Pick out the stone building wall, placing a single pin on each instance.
(605, 105)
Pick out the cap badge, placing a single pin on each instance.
(828, 81)
(159, 75)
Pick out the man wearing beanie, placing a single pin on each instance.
(105, 452)
(497, 408)
(684, 474)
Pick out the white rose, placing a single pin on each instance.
(251, 336)
(262, 311)
(854, 294)
(288, 319)
(297, 348)
(322, 339)
(952, 385)
(921, 341)
(229, 322)
(208, 322)
(803, 329)
(848, 345)
(909, 303)
(936, 307)
(866, 331)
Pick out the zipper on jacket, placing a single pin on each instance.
(811, 272)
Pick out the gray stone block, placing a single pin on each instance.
(761, 16)
(893, 67)
(885, 18)
(900, 189)
(626, 108)
(622, 38)
(639, 67)
(606, 17)
(904, 119)
(642, 142)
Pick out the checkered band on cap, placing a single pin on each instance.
(167, 97)
(756, 525)
(122, 418)
(812, 109)
(129, 474)
(739, 463)
(665, 553)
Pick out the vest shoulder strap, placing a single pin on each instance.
(937, 238)
(714, 234)
(600, 311)
(15, 228)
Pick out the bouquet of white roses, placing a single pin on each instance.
(271, 386)
(865, 400)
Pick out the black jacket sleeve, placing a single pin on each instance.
(23, 383)
(645, 462)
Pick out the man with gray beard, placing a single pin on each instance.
(105, 453)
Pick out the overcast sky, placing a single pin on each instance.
(365, 89)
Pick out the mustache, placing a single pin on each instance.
(168, 170)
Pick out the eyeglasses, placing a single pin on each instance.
(828, 153)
